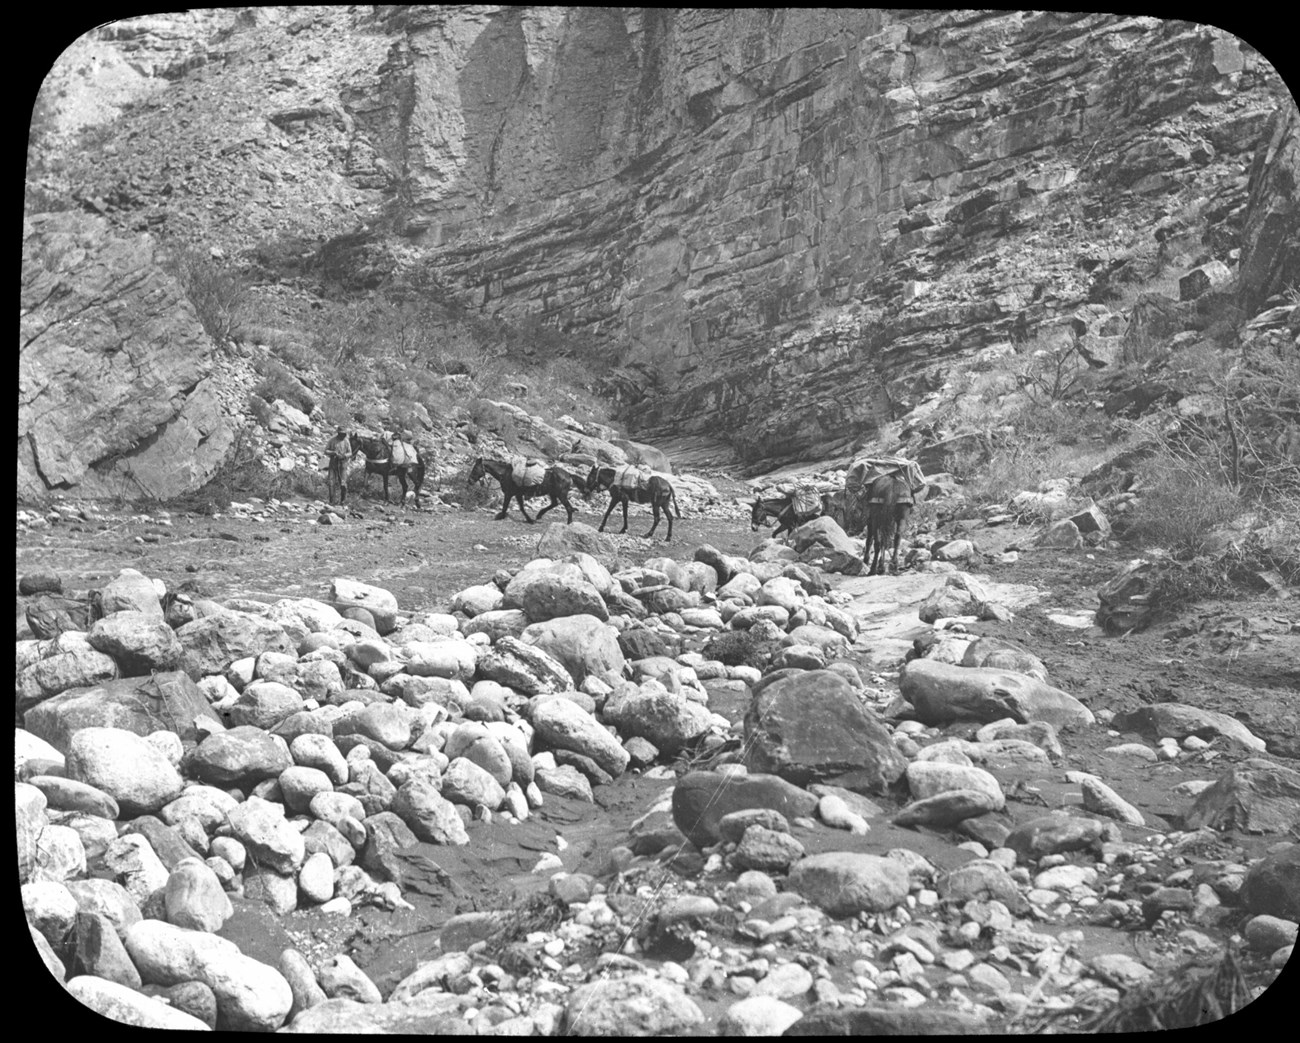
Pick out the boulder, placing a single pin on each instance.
(946, 809)
(464, 782)
(845, 883)
(767, 850)
(136, 866)
(545, 589)
(475, 600)
(251, 996)
(1124, 598)
(270, 839)
(667, 719)
(131, 591)
(1214, 274)
(449, 657)
(430, 816)
(241, 757)
(379, 603)
(125, 766)
(1256, 796)
(194, 898)
(560, 540)
(1100, 799)
(561, 723)
(1272, 885)
(99, 951)
(998, 653)
(1179, 721)
(636, 1005)
(140, 643)
(810, 726)
(583, 644)
(306, 613)
(164, 702)
(167, 842)
(107, 897)
(69, 666)
(959, 595)
(702, 799)
(1055, 833)
(264, 704)
(524, 667)
(65, 794)
(121, 1004)
(210, 644)
(940, 694)
(497, 623)
(931, 778)
(984, 880)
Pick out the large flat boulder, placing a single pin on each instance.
(164, 702)
(941, 693)
(1179, 721)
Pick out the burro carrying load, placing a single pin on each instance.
(862, 473)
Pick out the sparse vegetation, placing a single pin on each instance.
(1240, 444)
(1180, 506)
(241, 477)
(279, 383)
(1041, 441)
(219, 296)
(1054, 372)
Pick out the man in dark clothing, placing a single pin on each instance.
(338, 452)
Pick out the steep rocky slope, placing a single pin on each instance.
(780, 226)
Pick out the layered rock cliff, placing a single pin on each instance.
(780, 227)
(116, 388)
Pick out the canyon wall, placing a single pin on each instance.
(779, 221)
(779, 228)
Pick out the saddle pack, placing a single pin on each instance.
(632, 478)
(527, 471)
(403, 454)
(806, 502)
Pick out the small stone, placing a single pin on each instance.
(341, 978)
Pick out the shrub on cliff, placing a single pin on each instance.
(278, 382)
(219, 297)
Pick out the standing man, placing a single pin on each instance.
(338, 452)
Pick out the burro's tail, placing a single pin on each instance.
(673, 494)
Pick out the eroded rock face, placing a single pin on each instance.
(114, 376)
(617, 187)
(1270, 256)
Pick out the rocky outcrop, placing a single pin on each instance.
(1270, 254)
(116, 394)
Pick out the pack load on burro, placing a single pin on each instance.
(862, 474)
(790, 505)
